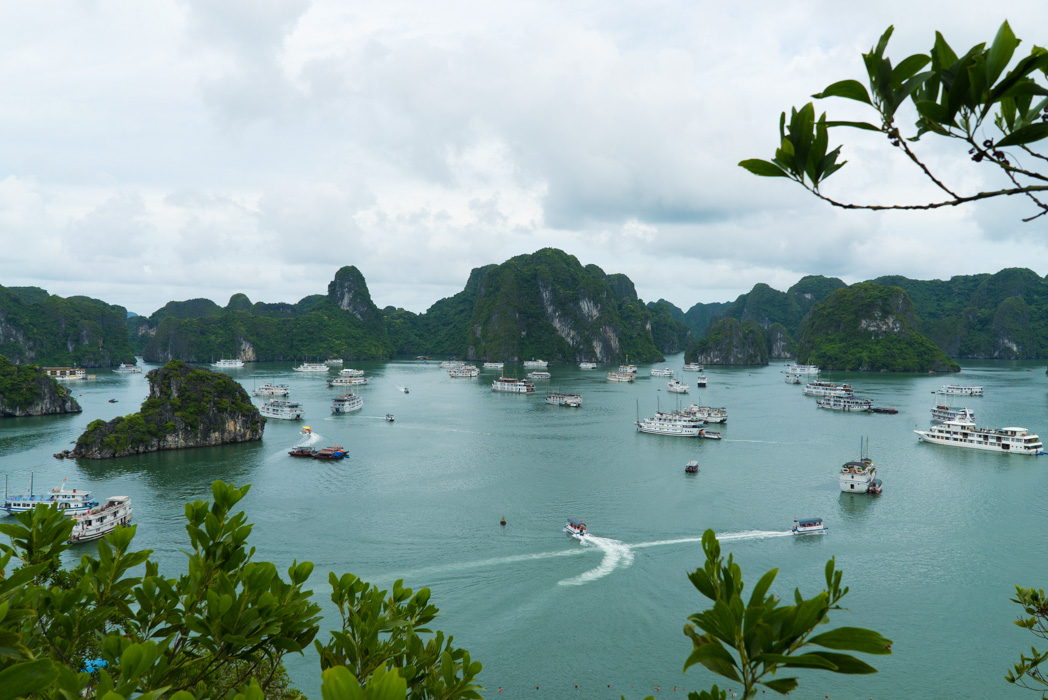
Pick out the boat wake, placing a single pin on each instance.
(308, 439)
(616, 554)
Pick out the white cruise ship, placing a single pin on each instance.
(311, 367)
(707, 414)
(700, 381)
(98, 522)
(465, 371)
(793, 378)
(961, 390)
(126, 368)
(494, 365)
(692, 367)
(821, 388)
(348, 381)
(676, 386)
(555, 399)
(846, 403)
(227, 364)
(661, 372)
(513, 386)
(350, 372)
(347, 403)
(334, 362)
(539, 374)
(535, 364)
(801, 369)
(672, 424)
(962, 433)
(859, 477)
(270, 389)
(943, 413)
(620, 376)
(281, 409)
(587, 365)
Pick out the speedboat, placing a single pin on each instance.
(709, 434)
(692, 467)
(575, 527)
(389, 417)
(806, 526)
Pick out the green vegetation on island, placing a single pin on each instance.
(730, 342)
(868, 327)
(26, 390)
(187, 407)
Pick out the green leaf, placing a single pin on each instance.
(848, 89)
(908, 68)
(762, 168)
(781, 685)
(844, 663)
(855, 125)
(1027, 134)
(761, 589)
(1004, 45)
(23, 679)
(812, 660)
(714, 657)
(853, 639)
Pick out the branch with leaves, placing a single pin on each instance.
(954, 97)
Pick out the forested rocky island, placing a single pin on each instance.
(26, 390)
(187, 407)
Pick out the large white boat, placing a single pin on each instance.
(68, 500)
(96, 523)
(347, 403)
(942, 413)
(801, 369)
(576, 527)
(962, 433)
(535, 364)
(334, 362)
(961, 390)
(281, 409)
(628, 369)
(692, 367)
(449, 364)
(821, 388)
(465, 371)
(793, 378)
(539, 374)
(676, 386)
(348, 381)
(64, 374)
(350, 372)
(808, 526)
(620, 376)
(270, 389)
(513, 386)
(706, 414)
(228, 364)
(587, 365)
(672, 424)
(661, 372)
(700, 381)
(555, 399)
(859, 476)
(126, 368)
(311, 367)
(494, 365)
(845, 403)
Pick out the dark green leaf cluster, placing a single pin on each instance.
(1028, 672)
(20, 384)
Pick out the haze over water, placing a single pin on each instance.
(931, 563)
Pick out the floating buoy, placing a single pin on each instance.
(503, 523)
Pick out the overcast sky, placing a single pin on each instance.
(157, 151)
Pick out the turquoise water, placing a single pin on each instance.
(931, 563)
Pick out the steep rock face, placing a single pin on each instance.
(26, 390)
(669, 332)
(349, 292)
(730, 342)
(868, 327)
(779, 343)
(187, 407)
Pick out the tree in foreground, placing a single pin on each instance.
(994, 114)
(1027, 673)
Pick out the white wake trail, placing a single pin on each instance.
(616, 554)
(726, 537)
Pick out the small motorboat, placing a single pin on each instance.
(302, 451)
(575, 527)
(405, 390)
(808, 526)
(112, 400)
(692, 467)
(389, 417)
(709, 434)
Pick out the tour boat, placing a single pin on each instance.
(961, 390)
(576, 527)
(628, 369)
(709, 434)
(805, 526)
(350, 372)
(700, 381)
(692, 467)
(347, 403)
(707, 414)
(68, 500)
(465, 371)
(943, 412)
(620, 376)
(539, 374)
(334, 362)
(676, 386)
(284, 410)
(302, 451)
(793, 378)
(859, 477)
(311, 367)
(125, 368)
(330, 453)
(671, 424)
(845, 403)
(587, 365)
(227, 364)
(692, 367)
(821, 388)
(448, 364)
(98, 522)
(963, 433)
(348, 381)
(513, 386)
(555, 399)
(494, 365)
(535, 364)
(64, 374)
(801, 369)
(661, 372)
(269, 389)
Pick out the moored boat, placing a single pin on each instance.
(98, 522)
(801, 369)
(348, 381)
(126, 368)
(535, 364)
(676, 386)
(942, 413)
(692, 367)
(350, 372)
(311, 367)
(494, 365)
(539, 374)
(269, 389)
(463, 372)
(572, 400)
(846, 403)
(228, 364)
(334, 362)
(859, 476)
(282, 410)
(821, 388)
(963, 433)
(513, 386)
(347, 403)
(961, 390)
(805, 526)
(576, 527)
(661, 372)
(620, 377)
(587, 365)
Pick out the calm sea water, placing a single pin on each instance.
(931, 563)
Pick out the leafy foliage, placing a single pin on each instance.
(1028, 673)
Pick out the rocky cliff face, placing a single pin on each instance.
(27, 391)
(349, 292)
(730, 342)
(187, 407)
(779, 343)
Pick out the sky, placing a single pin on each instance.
(169, 150)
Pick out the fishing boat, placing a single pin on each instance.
(692, 467)
(692, 367)
(572, 400)
(348, 381)
(311, 367)
(96, 523)
(535, 364)
(575, 527)
(228, 364)
(68, 500)
(125, 368)
(330, 453)
(963, 433)
(513, 386)
(587, 365)
(350, 372)
(269, 389)
(942, 412)
(808, 526)
(676, 386)
(619, 377)
(821, 388)
(302, 451)
(846, 403)
(282, 410)
(700, 381)
(347, 403)
(539, 374)
(961, 390)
